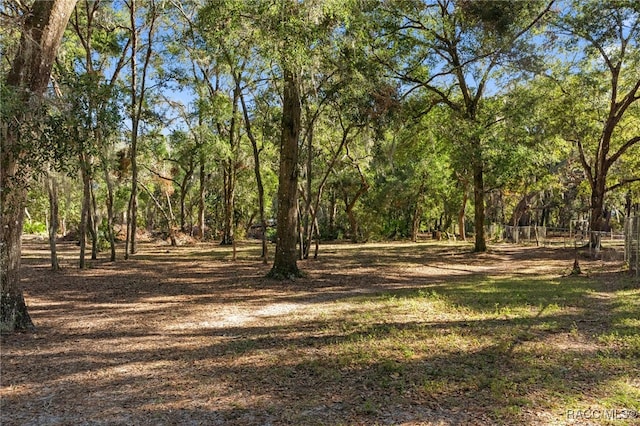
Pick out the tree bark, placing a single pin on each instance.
(461, 215)
(184, 187)
(93, 220)
(111, 234)
(229, 195)
(132, 207)
(478, 198)
(415, 223)
(201, 197)
(52, 190)
(137, 106)
(285, 260)
(28, 78)
(230, 173)
(258, 174)
(85, 211)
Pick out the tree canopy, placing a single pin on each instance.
(301, 121)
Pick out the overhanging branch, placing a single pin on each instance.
(622, 183)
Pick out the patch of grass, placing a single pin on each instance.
(508, 343)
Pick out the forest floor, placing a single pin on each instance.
(379, 333)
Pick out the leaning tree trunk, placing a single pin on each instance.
(28, 78)
(258, 174)
(349, 206)
(285, 260)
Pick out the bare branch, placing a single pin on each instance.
(622, 183)
(628, 144)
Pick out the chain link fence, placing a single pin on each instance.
(632, 243)
(605, 245)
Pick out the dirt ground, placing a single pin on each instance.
(185, 336)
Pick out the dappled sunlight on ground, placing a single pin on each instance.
(384, 333)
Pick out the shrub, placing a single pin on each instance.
(34, 227)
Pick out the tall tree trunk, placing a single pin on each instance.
(462, 213)
(307, 234)
(313, 209)
(137, 107)
(93, 225)
(110, 231)
(353, 223)
(28, 78)
(230, 173)
(597, 219)
(132, 208)
(258, 174)
(349, 206)
(417, 213)
(52, 190)
(201, 198)
(184, 187)
(85, 211)
(285, 261)
(478, 198)
(333, 212)
(415, 223)
(229, 194)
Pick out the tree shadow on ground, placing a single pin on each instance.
(215, 343)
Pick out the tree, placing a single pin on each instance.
(139, 91)
(27, 79)
(92, 78)
(452, 49)
(608, 78)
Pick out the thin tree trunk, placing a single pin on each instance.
(85, 211)
(133, 205)
(52, 190)
(333, 212)
(229, 195)
(184, 187)
(307, 234)
(110, 231)
(415, 224)
(353, 224)
(230, 174)
(462, 213)
(93, 222)
(137, 106)
(349, 206)
(201, 198)
(478, 198)
(417, 214)
(168, 217)
(258, 174)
